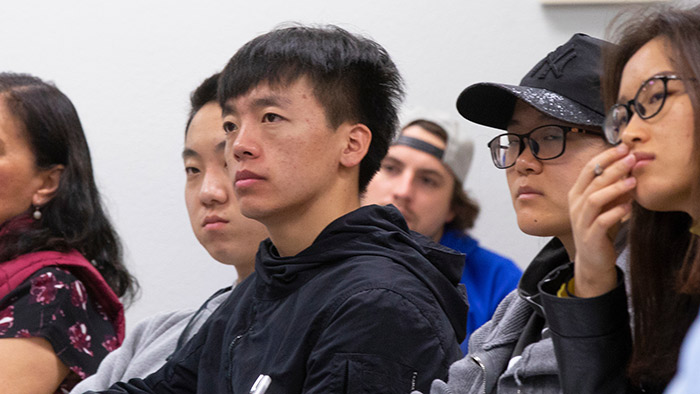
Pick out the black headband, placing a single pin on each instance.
(420, 145)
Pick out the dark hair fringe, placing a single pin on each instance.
(204, 94)
(74, 218)
(352, 77)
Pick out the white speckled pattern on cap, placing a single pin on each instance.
(565, 85)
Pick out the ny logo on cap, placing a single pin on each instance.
(555, 62)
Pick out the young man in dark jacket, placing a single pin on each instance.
(344, 299)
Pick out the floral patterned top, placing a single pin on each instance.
(54, 305)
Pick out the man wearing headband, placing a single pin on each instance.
(422, 175)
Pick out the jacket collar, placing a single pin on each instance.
(549, 258)
(369, 231)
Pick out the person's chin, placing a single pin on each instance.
(652, 198)
(221, 254)
(255, 210)
(533, 225)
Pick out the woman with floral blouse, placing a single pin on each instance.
(61, 269)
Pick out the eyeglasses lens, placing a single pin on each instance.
(647, 102)
(504, 150)
(615, 122)
(650, 98)
(545, 143)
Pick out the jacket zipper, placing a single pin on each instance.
(481, 365)
(230, 351)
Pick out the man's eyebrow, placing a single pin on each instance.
(272, 100)
(393, 160)
(430, 171)
(421, 170)
(189, 153)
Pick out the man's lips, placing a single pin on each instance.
(244, 178)
(213, 221)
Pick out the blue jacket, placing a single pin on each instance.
(487, 276)
(369, 307)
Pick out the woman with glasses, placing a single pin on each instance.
(552, 126)
(654, 173)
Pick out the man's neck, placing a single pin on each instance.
(295, 231)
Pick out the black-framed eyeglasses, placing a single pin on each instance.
(647, 103)
(545, 142)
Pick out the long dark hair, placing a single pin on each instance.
(74, 218)
(664, 260)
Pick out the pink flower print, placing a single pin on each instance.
(78, 371)
(110, 343)
(44, 288)
(79, 338)
(23, 333)
(101, 311)
(7, 318)
(78, 295)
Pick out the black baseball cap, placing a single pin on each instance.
(564, 85)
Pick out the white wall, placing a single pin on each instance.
(129, 67)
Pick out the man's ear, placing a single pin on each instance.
(50, 180)
(358, 140)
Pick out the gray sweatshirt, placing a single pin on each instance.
(147, 346)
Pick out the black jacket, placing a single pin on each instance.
(539, 343)
(592, 336)
(592, 339)
(369, 307)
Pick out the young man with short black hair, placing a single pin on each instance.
(343, 299)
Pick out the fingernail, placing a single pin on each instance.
(622, 148)
(630, 160)
(630, 181)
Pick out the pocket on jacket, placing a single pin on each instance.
(372, 374)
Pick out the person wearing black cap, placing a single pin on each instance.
(553, 125)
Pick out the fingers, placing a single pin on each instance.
(615, 171)
(594, 264)
(612, 217)
(591, 193)
(600, 162)
(597, 202)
